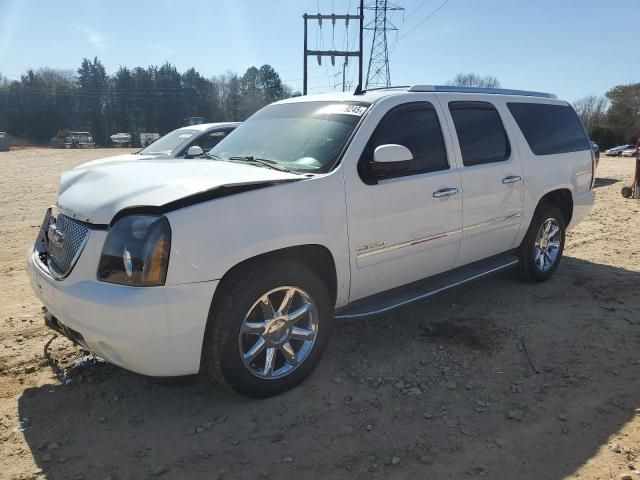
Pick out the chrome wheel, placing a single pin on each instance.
(274, 341)
(547, 245)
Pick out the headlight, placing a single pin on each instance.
(136, 251)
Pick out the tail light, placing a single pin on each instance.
(593, 168)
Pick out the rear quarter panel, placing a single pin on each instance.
(545, 173)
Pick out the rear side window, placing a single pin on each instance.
(480, 132)
(550, 129)
(415, 126)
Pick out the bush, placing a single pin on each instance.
(58, 140)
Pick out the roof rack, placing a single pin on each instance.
(392, 87)
(494, 91)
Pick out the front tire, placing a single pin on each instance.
(270, 323)
(541, 250)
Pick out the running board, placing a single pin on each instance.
(384, 302)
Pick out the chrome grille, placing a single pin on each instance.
(64, 240)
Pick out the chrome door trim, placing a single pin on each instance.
(491, 222)
(417, 241)
(410, 243)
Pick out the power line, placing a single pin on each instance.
(424, 20)
(417, 8)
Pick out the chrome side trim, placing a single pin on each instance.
(509, 264)
(491, 222)
(410, 243)
(368, 253)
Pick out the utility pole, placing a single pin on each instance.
(334, 53)
(344, 68)
(378, 72)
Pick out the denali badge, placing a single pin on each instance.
(369, 246)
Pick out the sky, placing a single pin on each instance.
(572, 48)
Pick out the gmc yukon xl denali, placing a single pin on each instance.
(314, 210)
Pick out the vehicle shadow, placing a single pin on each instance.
(605, 182)
(439, 389)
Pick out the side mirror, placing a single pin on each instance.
(194, 151)
(389, 159)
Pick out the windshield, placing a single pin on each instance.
(168, 143)
(301, 137)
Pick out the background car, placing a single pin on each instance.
(185, 142)
(617, 151)
(630, 152)
(79, 140)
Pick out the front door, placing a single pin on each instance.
(492, 176)
(406, 225)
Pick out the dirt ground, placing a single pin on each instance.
(442, 389)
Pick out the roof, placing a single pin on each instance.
(206, 126)
(371, 96)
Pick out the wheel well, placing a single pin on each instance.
(563, 200)
(317, 257)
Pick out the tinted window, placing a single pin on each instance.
(550, 129)
(416, 127)
(211, 139)
(480, 132)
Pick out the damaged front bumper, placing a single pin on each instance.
(154, 331)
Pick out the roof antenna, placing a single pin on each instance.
(359, 90)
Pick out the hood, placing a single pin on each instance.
(118, 158)
(95, 193)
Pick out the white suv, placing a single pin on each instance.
(315, 209)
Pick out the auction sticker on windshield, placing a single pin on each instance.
(342, 109)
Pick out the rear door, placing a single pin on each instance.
(491, 172)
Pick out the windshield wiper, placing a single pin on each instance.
(261, 161)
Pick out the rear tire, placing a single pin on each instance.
(289, 349)
(541, 250)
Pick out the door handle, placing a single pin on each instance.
(445, 192)
(511, 179)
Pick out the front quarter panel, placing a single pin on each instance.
(210, 238)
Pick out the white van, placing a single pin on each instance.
(314, 210)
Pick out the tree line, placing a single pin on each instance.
(46, 103)
(612, 119)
